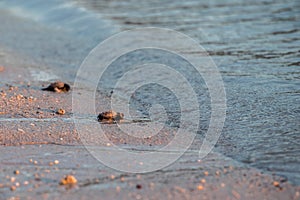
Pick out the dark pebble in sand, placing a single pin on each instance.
(13, 188)
(58, 87)
(138, 186)
(110, 116)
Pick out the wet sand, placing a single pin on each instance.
(188, 178)
(44, 147)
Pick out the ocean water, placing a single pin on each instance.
(255, 45)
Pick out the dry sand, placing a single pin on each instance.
(39, 147)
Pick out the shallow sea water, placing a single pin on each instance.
(254, 44)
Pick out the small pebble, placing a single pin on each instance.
(16, 172)
(37, 177)
(60, 111)
(138, 186)
(21, 130)
(56, 162)
(200, 187)
(151, 185)
(11, 88)
(276, 183)
(39, 112)
(206, 173)
(12, 179)
(1, 68)
(236, 194)
(203, 180)
(19, 96)
(13, 188)
(30, 98)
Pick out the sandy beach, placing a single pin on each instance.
(44, 147)
(257, 154)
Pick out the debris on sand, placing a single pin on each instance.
(110, 116)
(68, 180)
(13, 188)
(12, 179)
(16, 172)
(200, 187)
(58, 87)
(56, 162)
(276, 183)
(60, 111)
(138, 186)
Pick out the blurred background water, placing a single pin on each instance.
(255, 45)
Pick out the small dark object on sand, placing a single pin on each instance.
(110, 116)
(58, 87)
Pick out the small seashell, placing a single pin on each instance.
(60, 111)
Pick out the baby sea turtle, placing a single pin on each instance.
(110, 116)
(58, 87)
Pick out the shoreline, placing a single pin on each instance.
(215, 177)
